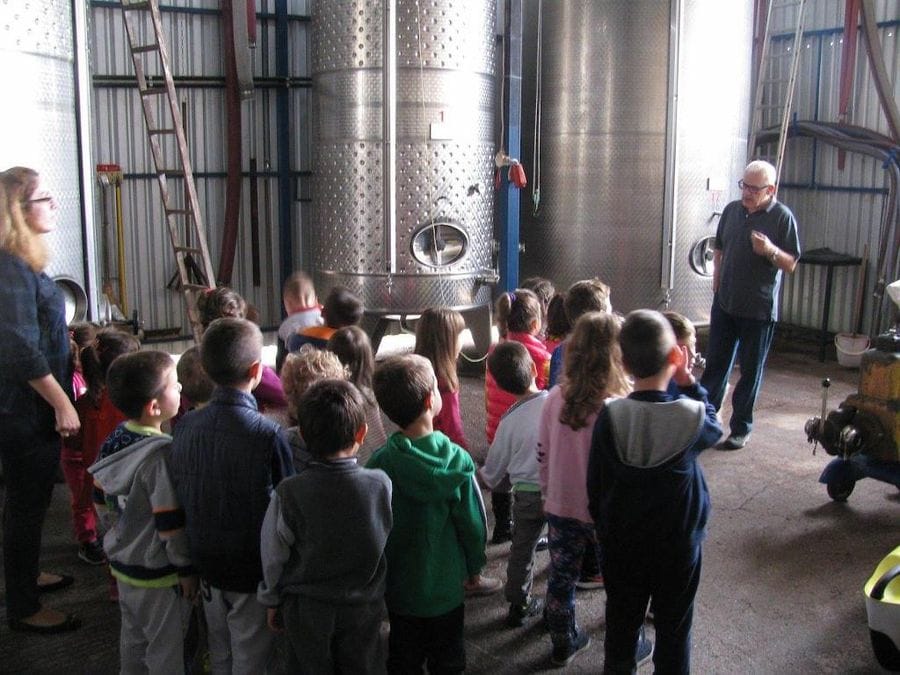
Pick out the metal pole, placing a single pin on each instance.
(670, 189)
(389, 101)
(283, 133)
(509, 194)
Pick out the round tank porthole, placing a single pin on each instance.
(74, 297)
(702, 255)
(439, 244)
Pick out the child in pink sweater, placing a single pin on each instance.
(593, 372)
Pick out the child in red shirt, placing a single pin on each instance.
(99, 417)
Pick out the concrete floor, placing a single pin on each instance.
(781, 589)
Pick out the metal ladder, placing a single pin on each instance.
(165, 131)
(771, 82)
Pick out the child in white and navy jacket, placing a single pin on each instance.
(147, 549)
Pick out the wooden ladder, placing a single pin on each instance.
(165, 131)
(774, 92)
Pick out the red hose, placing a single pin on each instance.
(233, 124)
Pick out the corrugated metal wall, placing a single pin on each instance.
(840, 209)
(194, 33)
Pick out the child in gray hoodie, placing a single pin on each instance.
(147, 548)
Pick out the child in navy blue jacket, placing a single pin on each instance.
(648, 497)
(226, 460)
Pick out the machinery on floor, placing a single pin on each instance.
(864, 432)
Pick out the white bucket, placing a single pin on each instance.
(850, 348)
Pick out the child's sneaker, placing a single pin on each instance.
(92, 553)
(518, 614)
(590, 582)
(564, 653)
(482, 585)
(644, 650)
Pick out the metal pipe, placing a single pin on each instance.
(212, 175)
(106, 81)
(670, 187)
(254, 222)
(825, 32)
(389, 144)
(86, 170)
(283, 134)
(208, 11)
(835, 188)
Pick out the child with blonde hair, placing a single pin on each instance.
(302, 308)
(301, 370)
(593, 372)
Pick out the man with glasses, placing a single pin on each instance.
(755, 242)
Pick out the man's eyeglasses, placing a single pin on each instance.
(755, 189)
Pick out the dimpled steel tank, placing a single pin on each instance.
(403, 139)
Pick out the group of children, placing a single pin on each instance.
(278, 529)
(606, 459)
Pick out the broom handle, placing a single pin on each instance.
(860, 289)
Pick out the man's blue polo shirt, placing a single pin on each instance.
(749, 283)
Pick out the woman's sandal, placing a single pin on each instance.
(64, 581)
(69, 623)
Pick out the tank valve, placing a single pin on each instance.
(487, 277)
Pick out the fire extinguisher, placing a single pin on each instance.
(517, 175)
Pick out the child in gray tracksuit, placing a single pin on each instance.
(147, 548)
(323, 541)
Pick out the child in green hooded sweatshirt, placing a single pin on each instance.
(439, 530)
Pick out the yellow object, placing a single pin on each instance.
(879, 396)
(884, 613)
(892, 592)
